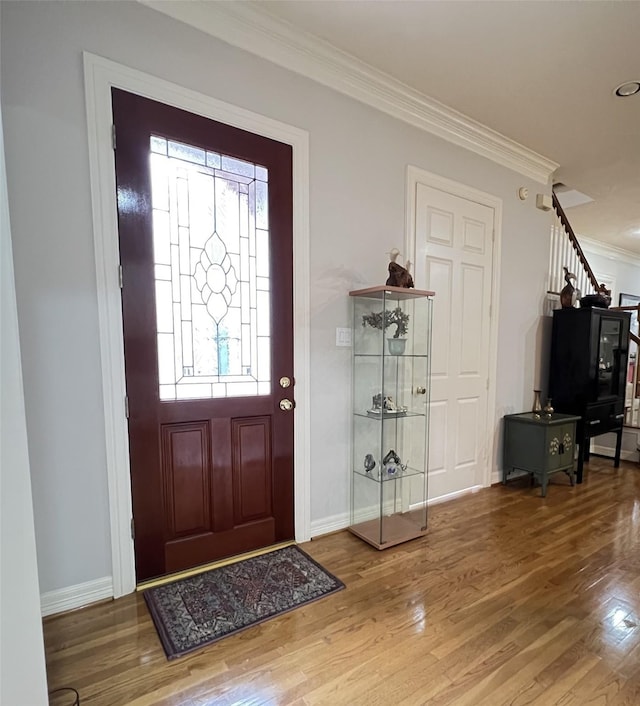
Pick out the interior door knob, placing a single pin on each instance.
(286, 405)
(421, 390)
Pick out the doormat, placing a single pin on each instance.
(198, 610)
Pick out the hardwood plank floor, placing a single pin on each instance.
(510, 598)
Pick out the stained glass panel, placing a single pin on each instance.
(159, 144)
(213, 160)
(212, 310)
(186, 152)
(239, 167)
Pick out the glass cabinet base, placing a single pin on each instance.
(391, 368)
(399, 528)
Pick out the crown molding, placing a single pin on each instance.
(613, 252)
(243, 25)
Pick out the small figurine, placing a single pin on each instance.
(568, 293)
(392, 464)
(386, 404)
(399, 276)
(369, 463)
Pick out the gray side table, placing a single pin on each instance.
(540, 445)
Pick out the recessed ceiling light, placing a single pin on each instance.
(628, 88)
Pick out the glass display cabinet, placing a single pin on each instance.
(391, 365)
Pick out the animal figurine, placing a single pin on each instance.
(369, 463)
(399, 276)
(605, 293)
(392, 464)
(568, 293)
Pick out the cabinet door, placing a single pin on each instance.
(560, 446)
(610, 347)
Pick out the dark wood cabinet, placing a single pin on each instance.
(589, 350)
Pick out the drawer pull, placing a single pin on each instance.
(619, 416)
(593, 422)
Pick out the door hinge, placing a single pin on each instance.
(120, 277)
(133, 529)
(113, 137)
(126, 406)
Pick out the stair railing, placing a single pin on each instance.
(566, 252)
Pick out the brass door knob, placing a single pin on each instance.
(286, 405)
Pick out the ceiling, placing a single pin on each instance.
(540, 73)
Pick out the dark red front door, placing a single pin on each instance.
(205, 229)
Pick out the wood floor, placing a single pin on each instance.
(510, 598)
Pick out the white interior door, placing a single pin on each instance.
(454, 257)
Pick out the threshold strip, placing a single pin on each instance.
(169, 578)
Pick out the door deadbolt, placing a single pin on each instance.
(285, 382)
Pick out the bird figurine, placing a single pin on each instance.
(399, 276)
(369, 463)
(568, 293)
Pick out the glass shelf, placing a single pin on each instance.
(387, 417)
(407, 473)
(393, 357)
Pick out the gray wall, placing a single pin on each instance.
(358, 161)
(624, 270)
(22, 670)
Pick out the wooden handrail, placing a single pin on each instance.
(574, 241)
(635, 339)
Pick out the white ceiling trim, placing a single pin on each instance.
(597, 247)
(256, 31)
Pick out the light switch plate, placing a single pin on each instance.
(343, 337)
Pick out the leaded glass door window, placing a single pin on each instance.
(211, 257)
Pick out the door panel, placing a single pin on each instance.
(185, 464)
(454, 243)
(205, 234)
(472, 329)
(252, 468)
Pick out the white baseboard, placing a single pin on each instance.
(452, 496)
(333, 523)
(77, 596)
(610, 451)
(341, 521)
(496, 476)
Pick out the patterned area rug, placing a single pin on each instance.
(199, 610)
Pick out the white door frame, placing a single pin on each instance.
(415, 176)
(100, 76)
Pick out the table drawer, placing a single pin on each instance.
(602, 418)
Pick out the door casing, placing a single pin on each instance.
(415, 176)
(101, 75)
